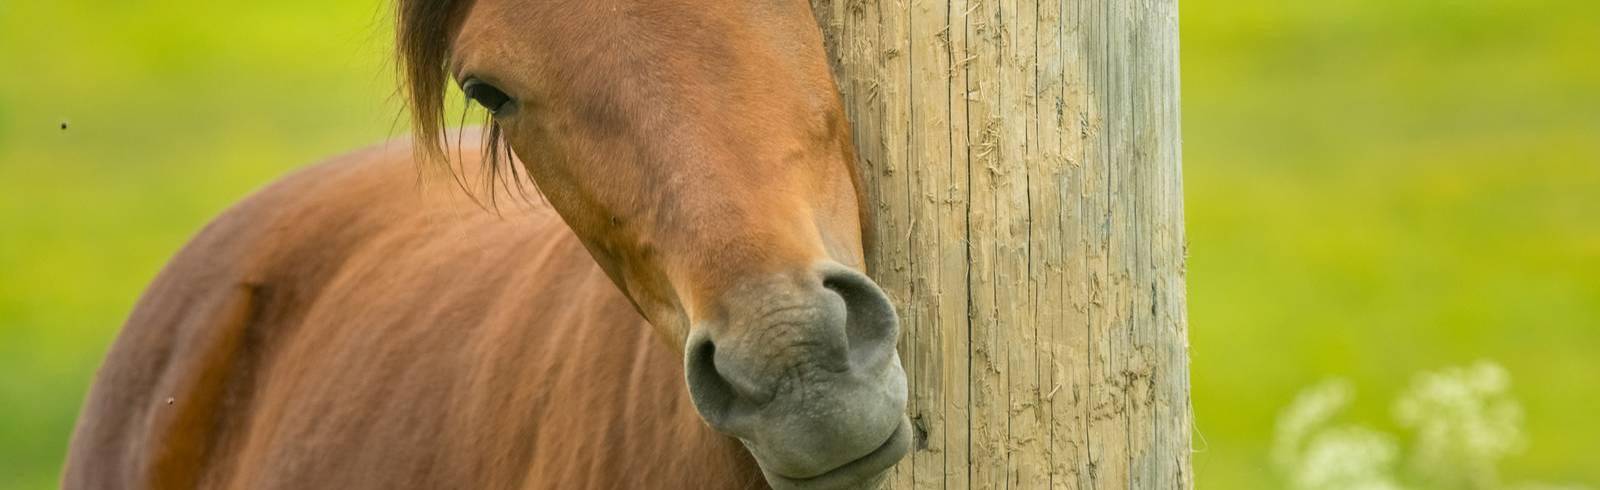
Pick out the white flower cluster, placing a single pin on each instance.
(1463, 420)
(1315, 456)
(1464, 423)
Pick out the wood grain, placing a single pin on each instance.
(1024, 162)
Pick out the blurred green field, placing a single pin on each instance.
(1374, 188)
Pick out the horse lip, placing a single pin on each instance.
(849, 475)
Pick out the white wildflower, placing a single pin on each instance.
(1465, 422)
(1310, 411)
(1348, 458)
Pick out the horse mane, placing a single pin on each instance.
(424, 32)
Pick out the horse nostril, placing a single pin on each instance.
(712, 394)
(870, 323)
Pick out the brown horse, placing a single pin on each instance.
(344, 328)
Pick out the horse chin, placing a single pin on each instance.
(865, 472)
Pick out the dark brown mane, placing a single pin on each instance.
(423, 35)
(422, 45)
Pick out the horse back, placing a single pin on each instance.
(348, 327)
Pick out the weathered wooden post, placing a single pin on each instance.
(1024, 160)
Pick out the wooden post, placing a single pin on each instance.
(1024, 160)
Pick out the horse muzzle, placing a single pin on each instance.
(803, 370)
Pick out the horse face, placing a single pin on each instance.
(700, 151)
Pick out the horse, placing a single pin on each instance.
(683, 305)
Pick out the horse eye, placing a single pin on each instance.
(486, 95)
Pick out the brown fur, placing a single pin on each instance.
(336, 331)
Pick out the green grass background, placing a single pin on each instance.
(1375, 187)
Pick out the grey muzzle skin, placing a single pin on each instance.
(803, 370)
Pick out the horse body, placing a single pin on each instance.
(345, 329)
(689, 311)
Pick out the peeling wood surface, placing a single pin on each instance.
(1024, 158)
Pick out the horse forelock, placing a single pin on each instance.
(423, 38)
